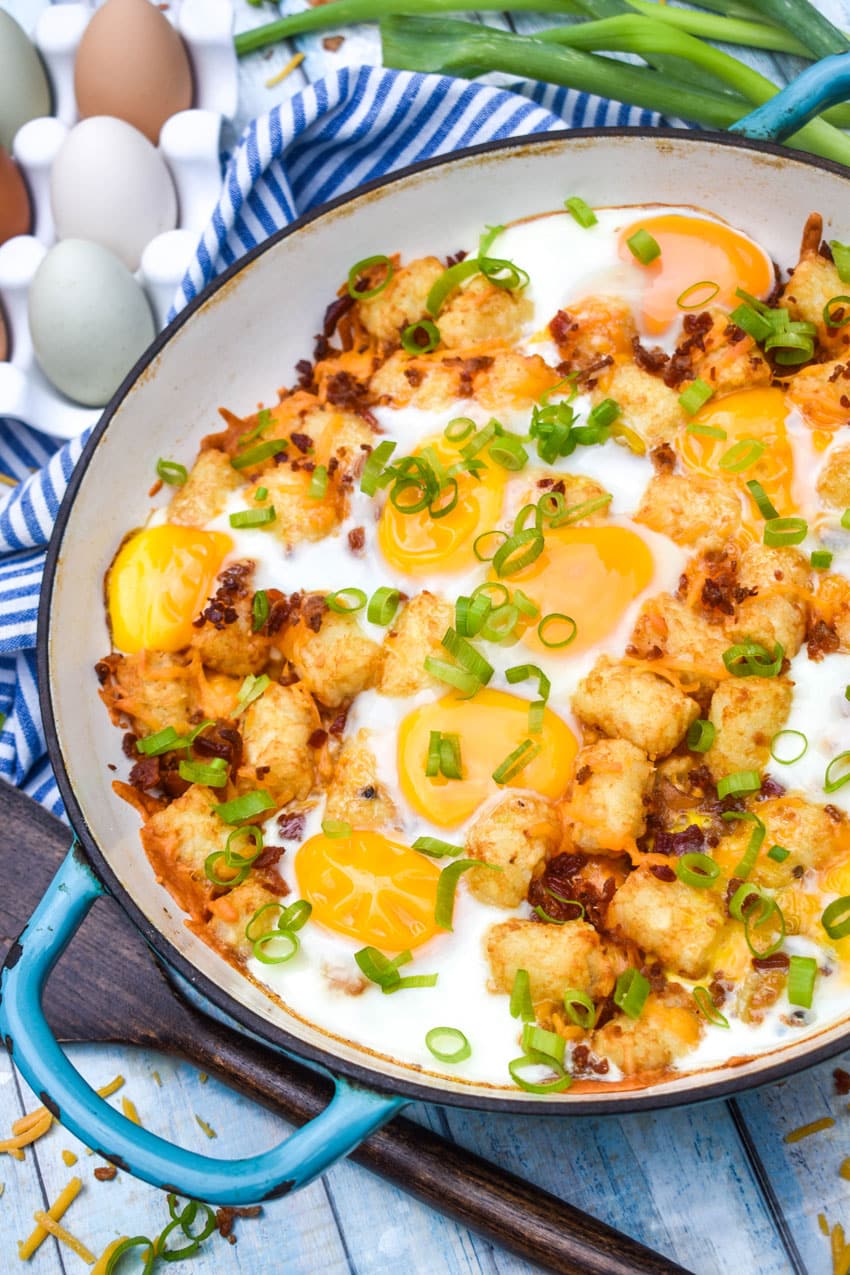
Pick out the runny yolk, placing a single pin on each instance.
(695, 250)
(158, 584)
(757, 414)
(419, 544)
(370, 888)
(489, 727)
(590, 574)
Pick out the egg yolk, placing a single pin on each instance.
(757, 414)
(419, 544)
(489, 728)
(370, 888)
(588, 573)
(695, 250)
(158, 584)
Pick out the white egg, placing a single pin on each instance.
(110, 185)
(89, 319)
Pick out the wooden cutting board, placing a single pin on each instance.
(84, 1003)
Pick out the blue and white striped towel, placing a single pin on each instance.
(342, 131)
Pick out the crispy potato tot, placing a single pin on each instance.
(416, 633)
(517, 835)
(632, 703)
(204, 494)
(336, 662)
(606, 812)
(746, 713)
(673, 921)
(689, 508)
(355, 793)
(555, 956)
(276, 731)
(668, 1028)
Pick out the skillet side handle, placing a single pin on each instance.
(352, 1114)
(821, 85)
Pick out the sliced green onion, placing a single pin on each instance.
(708, 1008)
(751, 659)
(261, 493)
(537, 1040)
(575, 513)
(697, 870)
(213, 862)
(802, 972)
(296, 915)
(264, 420)
(275, 947)
(738, 784)
(778, 854)
(580, 211)
(415, 980)
(503, 273)
(785, 531)
(259, 610)
(521, 1003)
(432, 761)
(435, 848)
(450, 279)
(821, 559)
(630, 992)
(700, 735)
(749, 321)
(829, 320)
(458, 429)
(450, 761)
(836, 918)
(383, 605)
(833, 779)
(447, 886)
(755, 908)
(448, 1044)
(799, 750)
(467, 656)
(470, 614)
(536, 717)
(603, 414)
(495, 592)
(525, 605)
(487, 239)
(125, 1246)
(551, 620)
(684, 302)
(253, 517)
(562, 1081)
(480, 553)
(522, 672)
(346, 601)
(379, 968)
(841, 258)
(163, 741)
(459, 678)
(508, 452)
(642, 246)
(748, 860)
(500, 623)
(741, 455)
(579, 1008)
(213, 774)
(516, 761)
(373, 470)
(251, 689)
(256, 455)
(251, 931)
(706, 431)
(760, 496)
(695, 396)
(245, 807)
(195, 732)
(232, 857)
(547, 916)
(335, 828)
(411, 337)
(171, 472)
(366, 264)
(845, 520)
(518, 551)
(318, 483)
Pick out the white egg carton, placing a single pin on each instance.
(190, 145)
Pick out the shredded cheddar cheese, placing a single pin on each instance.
(129, 1109)
(294, 61)
(64, 1236)
(60, 1206)
(102, 1264)
(69, 1158)
(806, 1130)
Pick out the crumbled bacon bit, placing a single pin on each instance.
(337, 726)
(303, 442)
(662, 871)
(269, 857)
(356, 539)
(469, 368)
(145, 773)
(777, 961)
(344, 390)
(291, 827)
(128, 745)
(822, 640)
(583, 1061)
(842, 1081)
(225, 1217)
(690, 840)
(334, 313)
(333, 42)
(456, 258)
(232, 586)
(413, 376)
(106, 1173)
(561, 326)
(832, 812)
(318, 739)
(102, 670)
(583, 774)
(304, 370)
(770, 787)
(663, 459)
(587, 376)
(652, 361)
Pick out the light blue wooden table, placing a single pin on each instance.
(714, 1186)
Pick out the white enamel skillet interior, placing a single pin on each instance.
(234, 346)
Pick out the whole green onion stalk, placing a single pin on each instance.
(461, 48)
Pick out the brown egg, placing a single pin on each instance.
(4, 340)
(14, 200)
(131, 63)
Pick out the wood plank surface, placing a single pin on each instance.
(715, 1186)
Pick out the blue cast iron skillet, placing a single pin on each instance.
(358, 1107)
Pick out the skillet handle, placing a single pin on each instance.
(823, 84)
(352, 1114)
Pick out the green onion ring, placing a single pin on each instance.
(697, 870)
(346, 601)
(366, 264)
(410, 337)
(562, 1081)
(273, 956)
(827, 312)
(521, 1004)
(553, 618)
(703, 301)
(630, 992)
(700, 735)
(211, 866)
(383, 605)
(579, 1008)
(336, 828)
(448, 1044)
(518, 552)
(829, 783)
(253, 833)
(458, 429)
(124, 1247)
(741, 455)
(788, 761)
(785, 531)
(708, 1009)
(836, 918)
(802, 972)
(738, 784)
